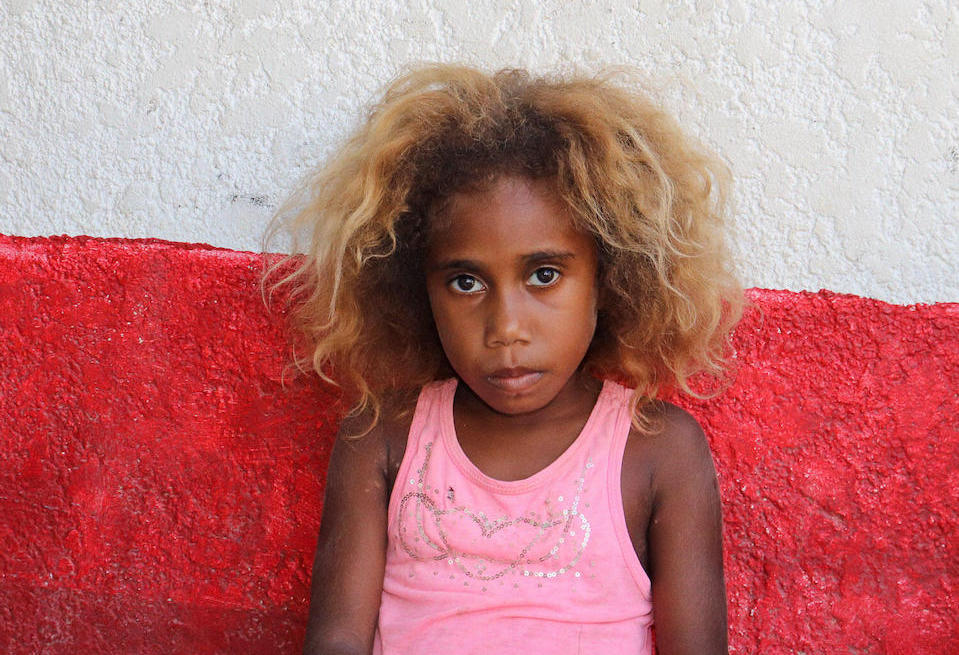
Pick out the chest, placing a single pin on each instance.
(517, 456)
(442, 514)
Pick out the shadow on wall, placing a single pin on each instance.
(161, 489)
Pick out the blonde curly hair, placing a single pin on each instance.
(653, 199)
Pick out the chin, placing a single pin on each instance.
(516, 401)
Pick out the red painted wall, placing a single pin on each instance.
(160, 489)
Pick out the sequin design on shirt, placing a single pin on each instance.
(432, 526)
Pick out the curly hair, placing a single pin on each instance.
(653, 199)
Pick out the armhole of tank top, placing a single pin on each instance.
(622, 424)
(425, 405)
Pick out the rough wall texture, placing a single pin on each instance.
(189, 121)
(160, 490)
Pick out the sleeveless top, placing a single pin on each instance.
(539, 565)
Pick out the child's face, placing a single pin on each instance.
(513, 289)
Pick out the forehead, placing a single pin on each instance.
(510, 215)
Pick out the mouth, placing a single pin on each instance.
(514, 379)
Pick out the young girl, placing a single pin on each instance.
(503, 272)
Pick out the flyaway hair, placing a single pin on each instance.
(653, 199)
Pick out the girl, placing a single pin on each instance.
(503, 272)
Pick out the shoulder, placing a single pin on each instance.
(674, 452)
(385, 442)
(675, 430)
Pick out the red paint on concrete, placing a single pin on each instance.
(160, 489)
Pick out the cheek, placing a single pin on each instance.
(449, 326)
(435, 297)
(583, 304)
(590, 323)
(587, 315)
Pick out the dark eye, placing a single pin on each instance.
(466, 284)
(544, 277)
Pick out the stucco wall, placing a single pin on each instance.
(189, 121)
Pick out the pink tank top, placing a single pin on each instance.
(540, 565)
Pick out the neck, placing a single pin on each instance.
(575, 400)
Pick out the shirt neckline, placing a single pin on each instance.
(471, 471)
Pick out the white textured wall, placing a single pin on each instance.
(190, 121)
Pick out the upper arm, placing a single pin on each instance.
(351, 549)
(685, 542)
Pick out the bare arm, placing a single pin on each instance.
(685, 542)
(351, 550)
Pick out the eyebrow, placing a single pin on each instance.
(530, 258)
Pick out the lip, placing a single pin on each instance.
(514, 379)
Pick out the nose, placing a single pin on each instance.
(506, 322)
